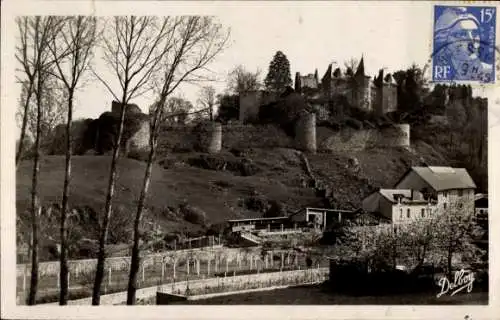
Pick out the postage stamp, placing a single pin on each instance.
(464, 44)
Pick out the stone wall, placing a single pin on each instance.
(255, 136)
(250, 103)
(385, 99)
(139, 141)
(350, 139)
(296, 276)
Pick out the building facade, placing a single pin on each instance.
(422, 193)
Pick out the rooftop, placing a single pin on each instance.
(445, 178)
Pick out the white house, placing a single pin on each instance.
(446, 185)
(400, 205)
(421, 193)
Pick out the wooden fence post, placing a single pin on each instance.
(143, 266)
(24, 278)
(162, 271)
(187, 266)
(175, 262)
(109, 276)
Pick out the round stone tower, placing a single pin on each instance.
(305, 132)
(403, 139)
(210, 137)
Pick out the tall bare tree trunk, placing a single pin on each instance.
(135, 262)
(63, 272)
(35, 202)
(24, 124)
(99, 275)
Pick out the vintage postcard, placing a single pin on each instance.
(249, 159)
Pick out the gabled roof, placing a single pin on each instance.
(389, 193)
(443, 178)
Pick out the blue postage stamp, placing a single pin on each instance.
(464, 44)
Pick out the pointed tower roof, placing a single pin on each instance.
(361, 68)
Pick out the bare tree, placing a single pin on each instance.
(240, 80)
(27, 55)
(207, 100)
(193, 42)
(36, 62)
(132, 47)
(175, 110)
(351, 65)
(77, 38)
(53, 108)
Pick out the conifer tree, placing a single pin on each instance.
(278, 77)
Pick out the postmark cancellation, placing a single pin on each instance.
(464, 44)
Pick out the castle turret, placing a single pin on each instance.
(298, 82)
(360, 71)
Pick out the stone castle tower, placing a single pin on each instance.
(359, 89)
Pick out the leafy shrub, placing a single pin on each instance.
(256, 202)
(276, 209)
(193, 214)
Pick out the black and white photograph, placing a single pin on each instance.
(333, 155)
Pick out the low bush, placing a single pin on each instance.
(193, 214)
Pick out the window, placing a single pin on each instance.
(401, 213)
(460, 192)
(423, 213)
(444, 206)
(481, 211)
(460, 205)
(408, 213)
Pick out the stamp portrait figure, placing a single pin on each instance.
(464, 44)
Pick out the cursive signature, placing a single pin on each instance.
(463, 279)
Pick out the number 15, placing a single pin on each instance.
(487, 14)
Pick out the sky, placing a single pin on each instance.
(390, 35)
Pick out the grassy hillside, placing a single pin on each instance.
(221, 191)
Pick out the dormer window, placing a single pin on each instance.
(445, 194)
(460, 192)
